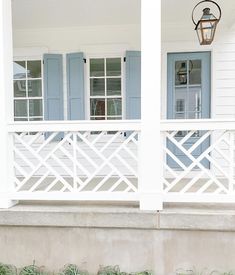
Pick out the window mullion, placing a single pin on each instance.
(27, 90)
(105, 88)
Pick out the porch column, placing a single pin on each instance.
(6, 102)
(150, 168)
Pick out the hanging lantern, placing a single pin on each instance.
(206, 26)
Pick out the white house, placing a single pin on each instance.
(115, 105)
(80, 126)
(74, 127)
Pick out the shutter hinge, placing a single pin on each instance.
(84, 59)
(124, 59)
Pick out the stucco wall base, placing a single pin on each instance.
(93, 236)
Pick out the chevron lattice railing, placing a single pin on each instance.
(199, 160)
(94, 160)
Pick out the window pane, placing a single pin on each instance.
(114, 106)
(114, 86)
(97, 87)
(98, 118)
(180, 72)
(35, 118)
(113, 66)
(114, 118)
(97, 67)
(34, 69)
(194, 71)
(19, 68)
(19, 88)
(35, 107)
(34, 88)
(20, 108)
(20, 119)
(97, 107)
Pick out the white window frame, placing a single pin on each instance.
(87, 82)
(26, 59)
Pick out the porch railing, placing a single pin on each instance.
(199, 160)
(90, 160)
(87, 160)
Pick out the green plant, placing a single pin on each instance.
(72, 269)
(115, 270)
(32, 270)
(7, 269)
(110, 270)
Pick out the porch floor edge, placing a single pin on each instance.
(193, 217)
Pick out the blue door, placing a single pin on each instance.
(188, 97)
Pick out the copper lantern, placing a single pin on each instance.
(206, 25)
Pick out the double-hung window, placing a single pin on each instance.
(28, 95)
(105, 88)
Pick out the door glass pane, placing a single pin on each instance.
(113, 86)
(180, 102)
(20, 107)
(19, 88)
(35, 88)
(97, 87)
(34, 69)
(194, 99)
(181, 72)
(97, 106)
(194, 71)
(19, 68)
(113, 66)
(97, 67)
(114, 106)
(35, 107)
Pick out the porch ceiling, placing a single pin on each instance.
(177, 23)
(29, 14)
(179, 12)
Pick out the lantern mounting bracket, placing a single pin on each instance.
(204, 1)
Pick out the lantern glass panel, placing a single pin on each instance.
(206, 31)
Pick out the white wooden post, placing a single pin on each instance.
(6, 103)
(150, 168)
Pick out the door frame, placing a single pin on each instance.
(205, 57)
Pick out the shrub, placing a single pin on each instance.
(7, 269)
(32, 270)
(115, 270)
(72, 269)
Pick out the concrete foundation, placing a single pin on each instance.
(93, 236)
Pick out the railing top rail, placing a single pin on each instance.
(197, 124)
(119, 125)
(74, 125)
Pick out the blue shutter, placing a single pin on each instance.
(75, 84)
(133, 84)
(53, 87)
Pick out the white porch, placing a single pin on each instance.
(121, 160)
